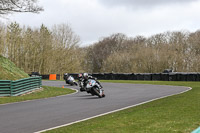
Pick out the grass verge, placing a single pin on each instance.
(45, 93)
(9, 71)
(175, 114)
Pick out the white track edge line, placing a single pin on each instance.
(113, 111)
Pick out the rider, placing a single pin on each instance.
(85, 80)
(80, 80)
(80, 77)
(66, 75)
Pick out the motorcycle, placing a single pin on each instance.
(70, 80)
(94, 88)
(81, 85)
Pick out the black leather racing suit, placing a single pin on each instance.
(85, 81)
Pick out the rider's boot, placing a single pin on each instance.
(82, 89)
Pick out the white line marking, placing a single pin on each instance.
(111, 111)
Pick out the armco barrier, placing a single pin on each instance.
(18, 87)
(5, 87)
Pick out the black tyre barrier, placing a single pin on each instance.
(182, 77)
(45, 76)
(133, 76)
(125, 76)
(140, 76)
(74, 75)
(147, 76)
(99, 76)
(198, 77)
(108, 76)
(192, 77)
(143, 76)
(156, 76)
(172, 77)
(58, 77)
(164, 77)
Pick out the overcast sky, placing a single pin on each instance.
(94, 19)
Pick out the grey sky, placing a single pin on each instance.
(143, 3)
(94, 19)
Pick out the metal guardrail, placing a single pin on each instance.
(18, 87)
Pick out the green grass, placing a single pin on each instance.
(45, 93)
(9, 71)
(175, 114)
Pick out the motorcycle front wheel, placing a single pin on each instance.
(97, 92)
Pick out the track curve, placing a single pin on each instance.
(36, 115)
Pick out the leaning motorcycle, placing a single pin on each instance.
(70, 80)
(94, 88)
(81, 85)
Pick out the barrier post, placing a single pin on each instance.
(11, 88)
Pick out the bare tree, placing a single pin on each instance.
(2, 39)
(102, 49)
(11, 6)
(66, 50)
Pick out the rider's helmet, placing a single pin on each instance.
(66, 75)
(80, 75)
(85, 75)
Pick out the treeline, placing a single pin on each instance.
(41, 49)
(118, 53)
(58, 50)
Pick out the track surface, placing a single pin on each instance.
(36, 115)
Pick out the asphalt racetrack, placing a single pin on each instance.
(37, 115)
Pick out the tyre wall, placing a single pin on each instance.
(140, 76)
